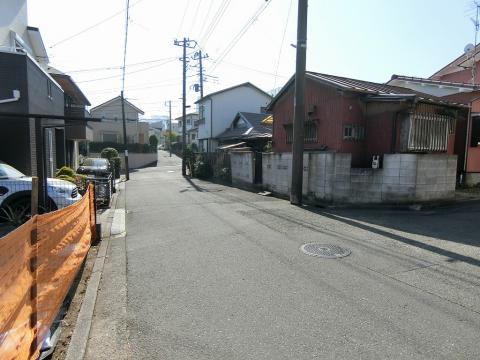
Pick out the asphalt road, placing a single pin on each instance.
(214, 272)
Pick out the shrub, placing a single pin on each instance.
(268, 147)
(153, 143)
(65, 171)
(202, 168)
(109, 153)
(66, 178)
(115, 161)
(81, 182)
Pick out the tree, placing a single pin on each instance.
(153, 142)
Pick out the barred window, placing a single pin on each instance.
(310, 133)
(353, 132)
(288, 133)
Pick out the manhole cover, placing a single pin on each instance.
(325, 251)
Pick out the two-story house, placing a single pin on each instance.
(76, 132)
(458, 82)
(110, 129)
(27, 88)
(219, 108)
(191, 126)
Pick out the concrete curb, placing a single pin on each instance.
(79, 340)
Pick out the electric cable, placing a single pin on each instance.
(93, 26)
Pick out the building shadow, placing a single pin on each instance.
(459, 224)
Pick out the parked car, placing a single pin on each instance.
(16, 190)
(102, 173)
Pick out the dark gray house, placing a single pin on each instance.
(26, 88)
(247, 129)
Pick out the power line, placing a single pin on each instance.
(205, 22)
(281, 45)
(128, 73)
(119, 67)
(183, 17)
(93, 26)
(240, 34)
(215, 21)
(195, 16)
(253, 69)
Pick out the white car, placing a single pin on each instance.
(15, 194)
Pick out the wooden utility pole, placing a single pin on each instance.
(299, 114)
(190, 44)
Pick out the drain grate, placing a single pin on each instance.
(325, 251)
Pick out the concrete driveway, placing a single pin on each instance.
(212, 272)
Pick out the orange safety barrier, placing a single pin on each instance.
(38, 263)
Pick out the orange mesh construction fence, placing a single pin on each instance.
(38, 263)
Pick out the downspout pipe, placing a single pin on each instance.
(467, 140)
(16, 97)
(211, 127)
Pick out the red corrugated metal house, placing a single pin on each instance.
(366, 119)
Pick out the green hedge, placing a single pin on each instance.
(97, 147)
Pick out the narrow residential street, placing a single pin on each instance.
(212, 272)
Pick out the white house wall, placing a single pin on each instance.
(226, 105)
(135, 130)
(13, 17)
(114, 110)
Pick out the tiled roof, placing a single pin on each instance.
(254, 128)
(365, 87)
(463, 97)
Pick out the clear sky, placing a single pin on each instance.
(363, 39)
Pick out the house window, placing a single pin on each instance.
(193, 136)
(288, 133)
(353, 132)
(310, 133)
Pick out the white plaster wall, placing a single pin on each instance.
(226, 105)
(243, 168)
(13, 16)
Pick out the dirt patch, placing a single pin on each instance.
(73, 303)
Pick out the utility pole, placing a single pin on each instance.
(299, 114)
(127, 170)
(190, 44)
(170, 126)
(198, 56)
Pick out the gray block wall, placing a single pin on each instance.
(328, 176)
(243, 168)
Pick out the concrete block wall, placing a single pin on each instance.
(329, 176)
(135, 160)
(436, 176)
(277, 172)
(243, 168)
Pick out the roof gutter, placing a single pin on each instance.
(16, 97)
